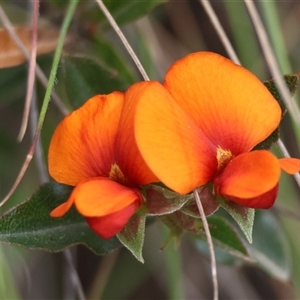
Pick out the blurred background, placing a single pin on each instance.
(160, 33)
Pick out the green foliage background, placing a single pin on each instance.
(160, 32)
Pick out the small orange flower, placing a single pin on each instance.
(201, 125)
(94, 150)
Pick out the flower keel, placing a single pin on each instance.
(110, 225)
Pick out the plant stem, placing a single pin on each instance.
(271, 61)
(66, 23)
(210, 246)
(103, 274)
(220, 31)
(122, 37)
(173, 270)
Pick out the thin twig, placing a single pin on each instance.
(39, 73)
(271, 60)
(220, 31)
(38, 155)
(210, 246)
(36, 149)
(31, 70)
(123, 39)
(39, 158)
(288, 212)
(57, 55)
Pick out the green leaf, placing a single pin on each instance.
(30, 225)
(225, 237)
(292, 83)
(85, 77)
(110, 56)
(222, 257)
(162, 201)
(123, 11)
(243, 216)
(270, 246)
(13, 84)
(133, 234)
(269, 141)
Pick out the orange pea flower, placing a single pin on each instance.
(94, 150)
(201, 126)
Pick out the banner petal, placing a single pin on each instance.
(170, 142)
(82, 145)
(230, 105)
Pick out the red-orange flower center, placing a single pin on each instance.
(223, 157)
(117, 175)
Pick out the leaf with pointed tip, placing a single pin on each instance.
(224, 234)
(270, 246)
(30, 225)
(132, 235)
(243, 216)
(226, 237)
(291, 81)
(162, 201)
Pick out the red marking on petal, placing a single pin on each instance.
(110, 225)
(127, 153)
(169, 140)
(264, 201)
(228, 103)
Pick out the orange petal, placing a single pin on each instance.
(110, 225)
(264, 201)
(232, 107)
(128, 155)
(290, 165)
(62, 209)
(169, 140)
(248, 175)
(82, 145)
(98, 197)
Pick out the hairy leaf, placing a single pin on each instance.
(30, 225)
(132, 235)
(243, 216)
